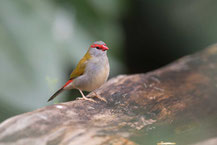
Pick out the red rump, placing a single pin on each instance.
(103, 47)
(69, 81)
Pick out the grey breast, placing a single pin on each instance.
(96, 73)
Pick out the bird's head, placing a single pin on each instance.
(98, 48)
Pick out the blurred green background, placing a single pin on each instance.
(42, 41)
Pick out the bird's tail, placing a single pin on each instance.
(60, 90)
(56, 94)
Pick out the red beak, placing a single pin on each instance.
(104, 48)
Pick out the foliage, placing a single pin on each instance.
(42, 41)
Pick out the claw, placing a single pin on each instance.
(99, 97)
(88, 99)
(85, 98)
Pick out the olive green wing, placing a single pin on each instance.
(80, 68)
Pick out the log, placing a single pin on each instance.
(141, 109)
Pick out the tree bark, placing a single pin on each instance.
(184, 91)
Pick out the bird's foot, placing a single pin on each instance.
(99, 97)
(84, 97)
(88, 99)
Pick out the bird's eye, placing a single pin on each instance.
(97, 47)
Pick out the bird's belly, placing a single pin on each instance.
(91, 80)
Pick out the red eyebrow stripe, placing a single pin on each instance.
(103, 47)
(96, 45)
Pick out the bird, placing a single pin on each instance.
(91, 72)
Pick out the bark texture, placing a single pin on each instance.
(183, 90)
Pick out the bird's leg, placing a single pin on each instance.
(99, 97)
(85, 98)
